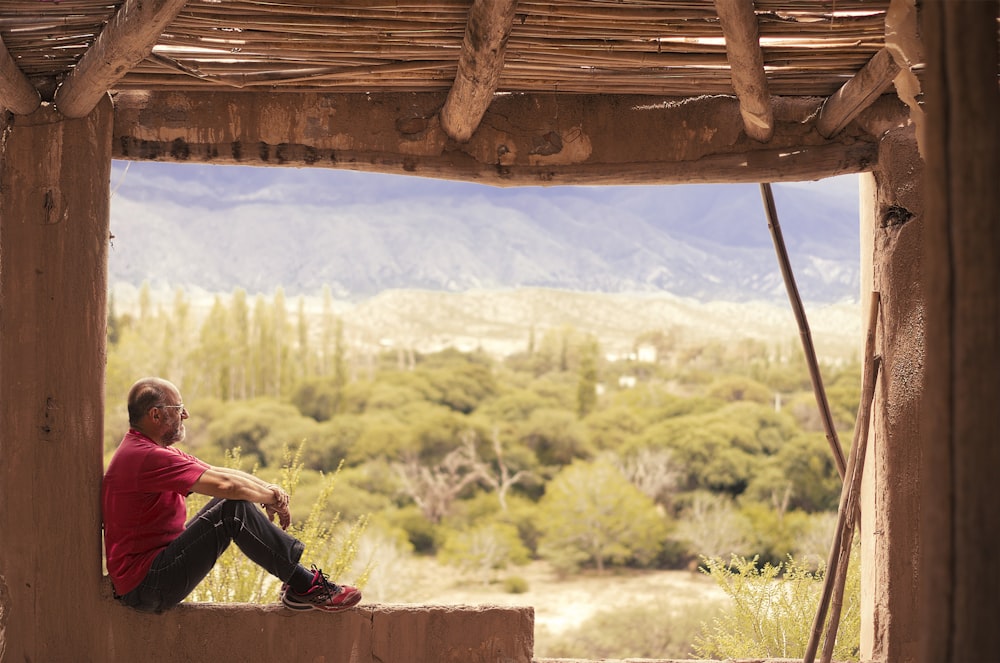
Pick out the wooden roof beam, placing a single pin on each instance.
(16, 92)
(746, 64)
(540, 139)
(125, 41)
(856, 94)
(479, 67)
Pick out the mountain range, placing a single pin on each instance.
(216, 228)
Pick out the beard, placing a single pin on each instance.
(174, 436)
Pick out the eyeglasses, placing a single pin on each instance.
(179, 408)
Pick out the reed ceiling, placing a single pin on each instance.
(765, 67)
(660, 47)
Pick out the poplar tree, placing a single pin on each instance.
(215, 353)
(177, 336)
(339, 366)
(145, 302)
(261, 344)
(304, 364)
(280, 344)
(239, 323)
(586, 393)
(328, 331)
(114, 321)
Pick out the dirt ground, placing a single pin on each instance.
(562, 604)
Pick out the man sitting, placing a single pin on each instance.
(153, 558)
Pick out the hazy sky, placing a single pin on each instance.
(255, 227)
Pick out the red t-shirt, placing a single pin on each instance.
(143, 503)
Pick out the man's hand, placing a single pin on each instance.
(281, 498)
(284, 517)
(279, 506)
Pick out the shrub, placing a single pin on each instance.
(515, 585)
(711, 526)
(420, 532)
(236, 579)
(592, 515)
(484, 549)
(736, 388)
(772, 535)
(772, 613)
(657, 630)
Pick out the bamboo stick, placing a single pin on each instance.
(800, 316)
(836, 571)
(853, 511)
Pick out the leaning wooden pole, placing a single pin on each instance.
(800, 317)
(847, 514)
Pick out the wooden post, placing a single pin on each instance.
(892, 217)
(959, 595)
(54, 216)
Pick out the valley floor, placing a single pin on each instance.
(563, 604)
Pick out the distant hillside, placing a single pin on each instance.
(501, 321)
(218, 228)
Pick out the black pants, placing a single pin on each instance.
(187, 560)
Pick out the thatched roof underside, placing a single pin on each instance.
(769, 89)
(661, 47)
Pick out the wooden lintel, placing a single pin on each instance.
(857, 94)
(126, 40)
(17, 94)
(479, 67)
(746, 66)
(523, 140)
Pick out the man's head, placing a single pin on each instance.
(156, 410)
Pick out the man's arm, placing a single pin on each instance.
(240, 473)
(236, 485)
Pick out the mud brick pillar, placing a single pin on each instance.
(892, 218)
(54, 224)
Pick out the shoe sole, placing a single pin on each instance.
(301, 607)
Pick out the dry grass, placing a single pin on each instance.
(561, 604)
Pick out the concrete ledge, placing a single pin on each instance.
(667, 660)
(365, 634)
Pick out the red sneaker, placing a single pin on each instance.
(322, 595)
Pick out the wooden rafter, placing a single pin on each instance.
(524, 140)
(126, 40)
(746, 64)
(16, 91)
(479, 67)
(857, 94)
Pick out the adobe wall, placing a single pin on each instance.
(54, 604)
(54, 196)
(892, 214)
(54, 214)
(366, 634)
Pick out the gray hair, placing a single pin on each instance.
(143, 395)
